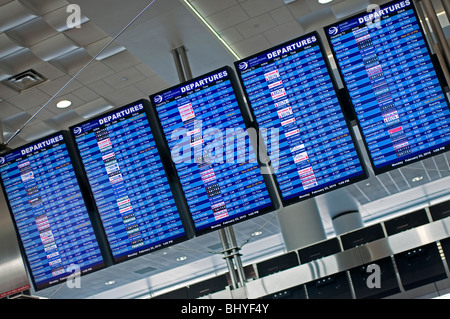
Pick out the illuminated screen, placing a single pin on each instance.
(210, 147)
(128, 182)
(294, 102)
(49, 211)
(387, 69)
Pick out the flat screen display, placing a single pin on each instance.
(211, 150)
(49, 211)
(128, 182)
(293, 99)
(397, 97)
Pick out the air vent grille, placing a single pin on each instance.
(25, 80)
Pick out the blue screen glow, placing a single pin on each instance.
(388, 72)
(128, 182)
(293, 98)
(49, 211)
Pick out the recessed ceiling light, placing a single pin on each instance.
(417, 178)
(324, 1)
(181, 258)
(63, 104)
(257, 233)
(111, 282)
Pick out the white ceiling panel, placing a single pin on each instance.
(255, 8)
(32, 32)
(53, 47)
(228, 17)
(73, 61)
(257, 25)
(8, 46)
(13, 14)
(43, 7)
(19, 61)
(86, 34)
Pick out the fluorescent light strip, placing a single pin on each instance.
(212, 30)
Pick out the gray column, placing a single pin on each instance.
(301, 224)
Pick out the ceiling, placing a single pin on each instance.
(34, 34)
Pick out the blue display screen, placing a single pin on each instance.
(49, 211)
(398, 100)
(128, 182)
(295, 105)
(211, 150)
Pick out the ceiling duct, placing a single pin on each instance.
(25, 80)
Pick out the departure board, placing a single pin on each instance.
(49, 211)
(128, 182)
(212, 152)
(292, 95)
(387, 69)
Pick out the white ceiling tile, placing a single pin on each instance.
(254, 26)
(124, 78)
(231, 35)
(94, 108)
(6, 92)
(58, 19)
(208, 7)
(44, 6)
(64, 120)
(251, 46)
(13, 14)
(52, 87)
(121, 61)
(227, 18)
(36, 130)
(125, 96)
(13, 123)
(8, 46)
(49, 71)
(53, 47)
(99, 50)
(87, 33)
(298, 8)
(255, 8)
(283, 33)
(19, 62)
(151, 85)
(4, 74)
(100, 87)
(29, 99)
(7, 110)
(32, 32)
(43, 114)
(86, 94)
(97, 70)
(144, 69)
(72, 61)
(282, 15)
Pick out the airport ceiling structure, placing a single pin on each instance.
(40, 53)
